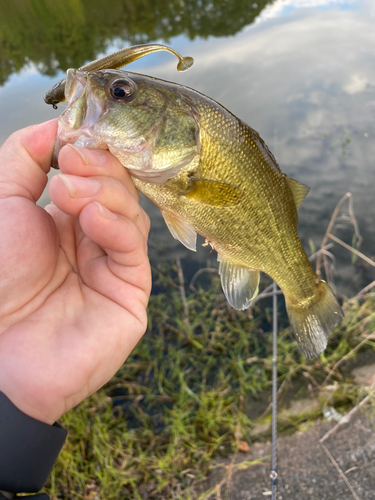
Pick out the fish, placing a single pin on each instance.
(210, 174)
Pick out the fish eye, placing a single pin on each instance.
(122, 90)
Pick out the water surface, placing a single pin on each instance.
(300, 72)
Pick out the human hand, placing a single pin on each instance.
(74, 277)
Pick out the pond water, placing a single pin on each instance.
(300, 72)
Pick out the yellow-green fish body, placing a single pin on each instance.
(210, 174)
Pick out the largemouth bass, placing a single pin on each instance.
(210, 174)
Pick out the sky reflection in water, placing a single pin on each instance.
(303, 76)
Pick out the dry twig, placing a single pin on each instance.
(348, 416)
(245, 464)
(341, 360)
(346, 419)
(198, 273)
(351, 249)
(182, 288)
(342, 475)
(353, 220)
(364, 290)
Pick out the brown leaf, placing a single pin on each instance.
(243, 446)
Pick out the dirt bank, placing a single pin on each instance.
(304, 467)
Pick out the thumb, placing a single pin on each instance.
(25, 160)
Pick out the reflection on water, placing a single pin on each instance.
(303, 77)
(60, 35)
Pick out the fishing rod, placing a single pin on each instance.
(273, 474)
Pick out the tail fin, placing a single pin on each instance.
(312, 324)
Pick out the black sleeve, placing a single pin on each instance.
(28, 450)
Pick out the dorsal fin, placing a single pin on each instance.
(299, 191)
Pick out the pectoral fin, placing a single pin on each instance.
(181, 231)
(299, 191)
(214, 193)
(240, 284)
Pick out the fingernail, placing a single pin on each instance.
(80, 187)
(89, 156)
(105, 212)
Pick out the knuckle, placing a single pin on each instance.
(146, 222)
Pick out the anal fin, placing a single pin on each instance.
(181, 230)
(240, 284)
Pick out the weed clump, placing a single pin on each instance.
(195, 388)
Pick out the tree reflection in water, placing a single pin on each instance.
(59, 35)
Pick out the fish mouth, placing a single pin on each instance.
(65, 136)
(75, 83)
(77, 122)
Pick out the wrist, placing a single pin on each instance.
(35, 410)
(31, 411)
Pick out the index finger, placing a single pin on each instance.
(84, 162)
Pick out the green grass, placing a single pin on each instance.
(193, 388)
